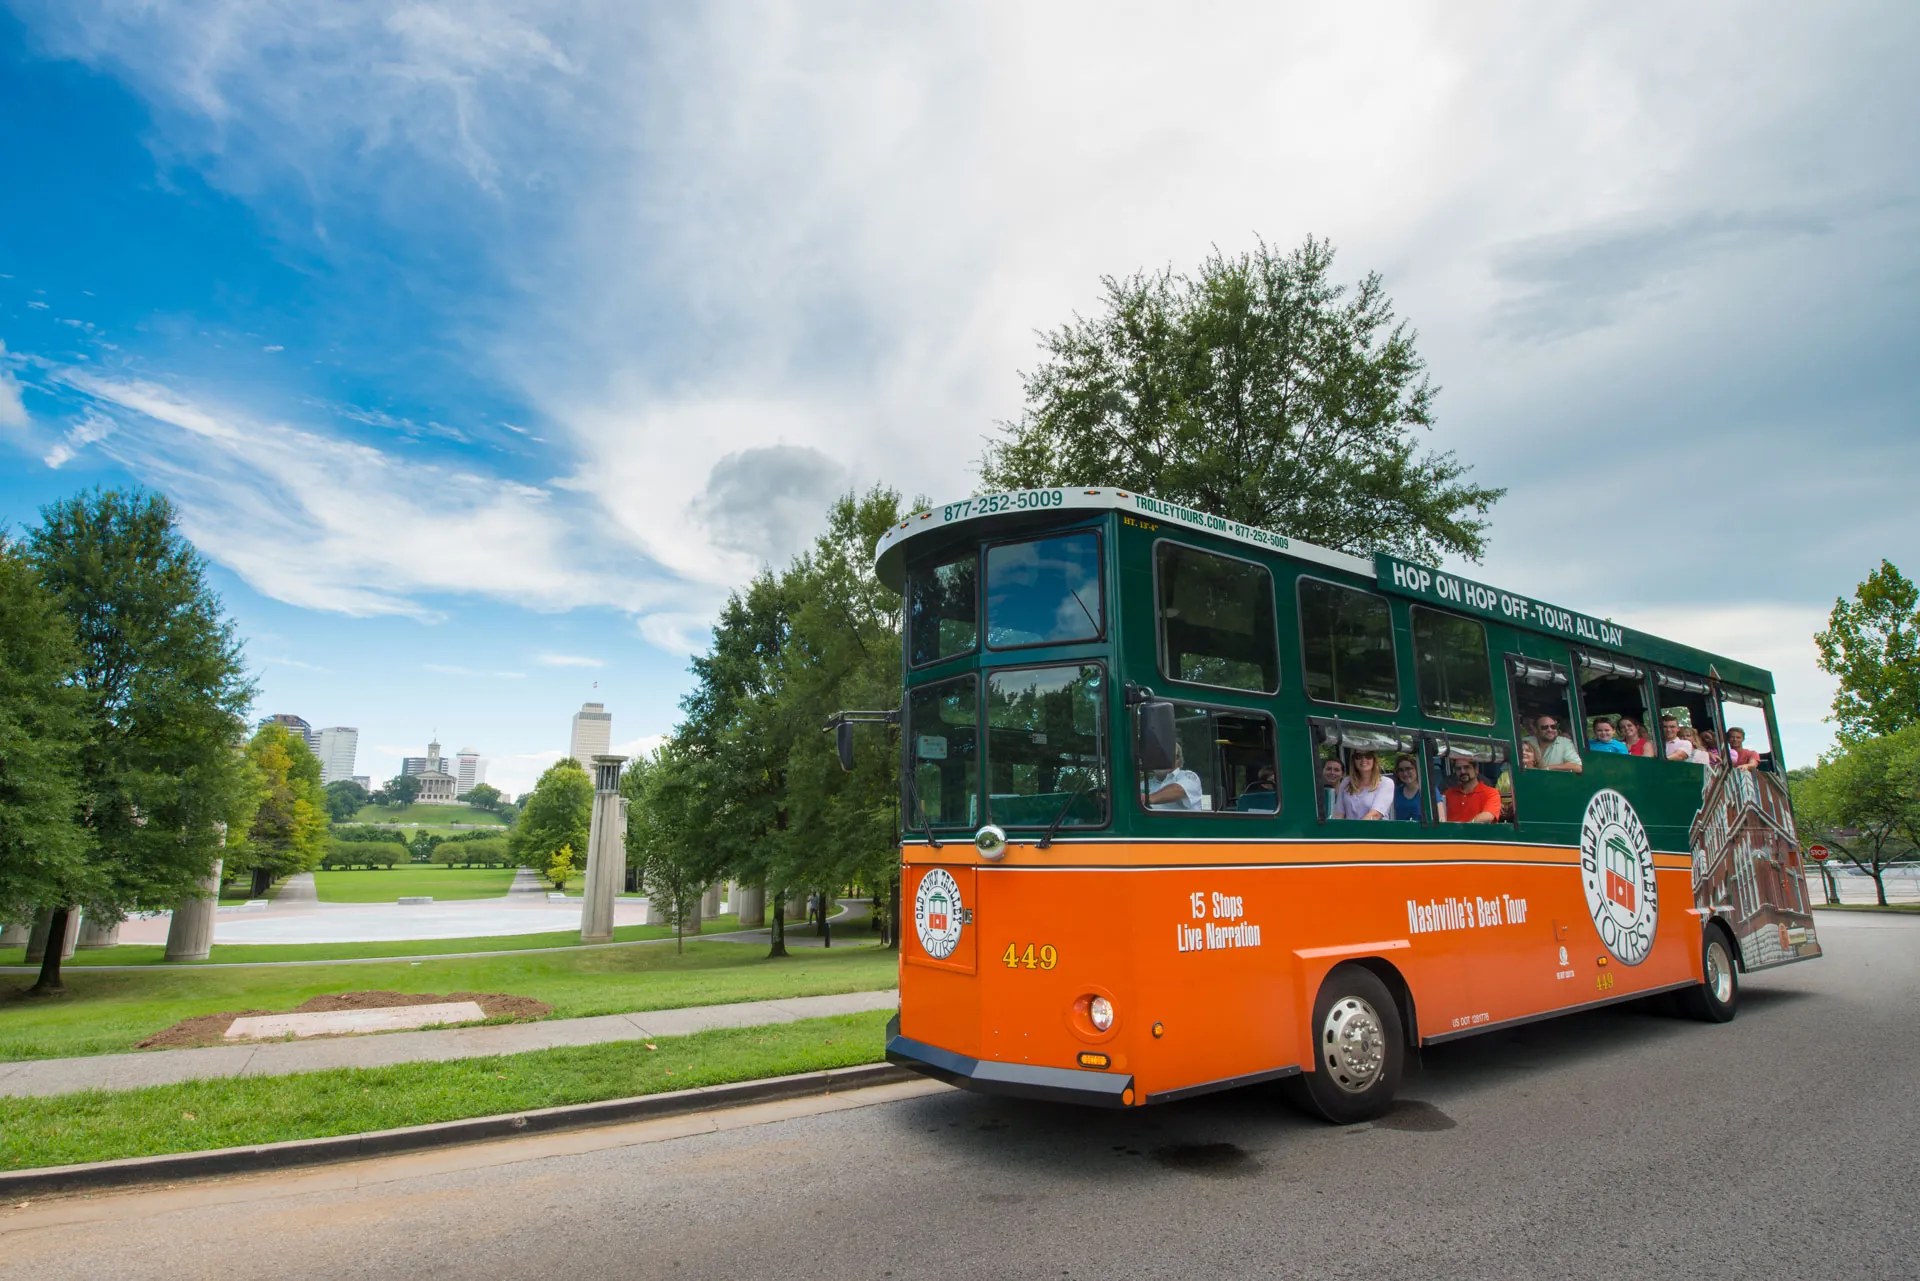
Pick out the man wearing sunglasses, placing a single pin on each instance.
(1555, 749)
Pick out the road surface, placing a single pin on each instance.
(1617, 1144)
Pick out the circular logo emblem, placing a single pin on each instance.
(1617, 866)
(936, 913)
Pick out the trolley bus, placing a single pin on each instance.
(1135, 872)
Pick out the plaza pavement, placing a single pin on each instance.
(42, 1077)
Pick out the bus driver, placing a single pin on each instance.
(1177, 789)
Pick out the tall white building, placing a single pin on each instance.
(338, 743)
(469, 771)
(592, 733)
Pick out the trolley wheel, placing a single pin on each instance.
(1359, 1049)
(1718, 999)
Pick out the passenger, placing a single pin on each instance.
(1177, 789)
(1263, 791)
(1469, 800)
(1672, 746)
(1698, 754)
(1556, 750)
(1711, 746)
(1365, 795)
(1738, 754)
(1332, 774)
(1638, 744)
(1406, 793)
(1602, 739)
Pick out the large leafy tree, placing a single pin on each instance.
(160, 764)
(398, 792)
(1863, 801)
(289, 829)
(559, 812)
(43, 721)
(345, 799)
(665, 834)
(1872, 646)
(1258, 390)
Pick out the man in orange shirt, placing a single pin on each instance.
(1469, 800)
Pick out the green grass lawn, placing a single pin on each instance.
(227, 953)
(429, 815)
(103, 1125)
(388, 884)
(1866, 907)
(106, 1012)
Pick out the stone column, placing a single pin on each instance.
(797, 906)
(752, 906)
(95, 935)
(14, 935)
(606, 852)
(190, 933)
(42, 926)
(710, 903)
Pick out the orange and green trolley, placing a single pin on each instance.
(1132, 871)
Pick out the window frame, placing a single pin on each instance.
(1211, 709)
(1103, 738)
(1159, 621)
(984, 641)
(979, 612)
(1493, 711)
(1585, 657)
(1568, 694)
(1317, 725)
(909, 817)
(1300, 629)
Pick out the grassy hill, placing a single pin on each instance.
(429, 815)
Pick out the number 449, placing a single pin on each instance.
(1044, 959)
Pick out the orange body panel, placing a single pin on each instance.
(1225, 945)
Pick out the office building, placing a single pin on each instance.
(413, 765)
(592, 733)
(338, 744)
(469, 771)
(297, 726)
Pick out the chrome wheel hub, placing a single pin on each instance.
(1719, 972)
(1354, 1044)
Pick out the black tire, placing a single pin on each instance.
(1718, 999)
(1359, 1049)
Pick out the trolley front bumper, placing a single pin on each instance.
(1014, 1080)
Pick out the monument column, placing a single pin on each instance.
(43, 926)
(710, 902)
(14, 935)
(606, 852)
(190, 933)
(95, 935)
(753, 906)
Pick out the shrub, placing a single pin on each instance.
(353, 853)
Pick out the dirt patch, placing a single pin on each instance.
(211, 1029)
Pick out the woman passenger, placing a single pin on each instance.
(1365, 794)
(1638, 744)
(1406, 794)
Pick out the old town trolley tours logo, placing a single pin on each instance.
(1616, 865)
(938, 914)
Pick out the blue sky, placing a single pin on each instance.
(485, 346)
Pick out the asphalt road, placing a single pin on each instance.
(1619, 1144)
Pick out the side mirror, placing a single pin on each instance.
(1156, 736)
(843, 744)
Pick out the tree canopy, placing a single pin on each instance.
(559, 812)
(1863, 801)
(289, 829)
(398, 792)
(345, 798)
(1872, 646)
(1258, 390)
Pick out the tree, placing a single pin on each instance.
(345, 799)
(1863, 802)
(665, 830)
(399, 792)
(289, 829)
(558, 812)
(560, 867)
(1872, 646)
(482, 796)
(1261, 392)
(43, 719)
(159, 765)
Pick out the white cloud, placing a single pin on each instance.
(13, 410)
(568, 660)
(636, 748)
(516, 774)
(90, 430)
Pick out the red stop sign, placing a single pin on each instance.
(1818, 853)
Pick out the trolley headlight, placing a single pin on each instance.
(1100, 1013)
(991, 842)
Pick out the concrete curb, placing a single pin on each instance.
(173, 1167)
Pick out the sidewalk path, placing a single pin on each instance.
(41, 1077)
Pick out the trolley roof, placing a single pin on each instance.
(1391, 574)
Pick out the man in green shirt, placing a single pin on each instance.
(1555, 749)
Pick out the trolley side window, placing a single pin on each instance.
(943, 751)
(1613, 707)
(1046, 746)
(1044, 591)
(1346, 646)
(943, 610)
(1451, 668)
(1743, 713)
(1224, 763)
(1216, 620)
(1541, 707)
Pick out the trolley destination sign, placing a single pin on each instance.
(1465, 594)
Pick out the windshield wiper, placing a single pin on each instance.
(1046, 838)
(920, 811)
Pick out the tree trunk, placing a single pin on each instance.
(779, 947)
(262, 882)
(49, 983)
(1880, 884)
